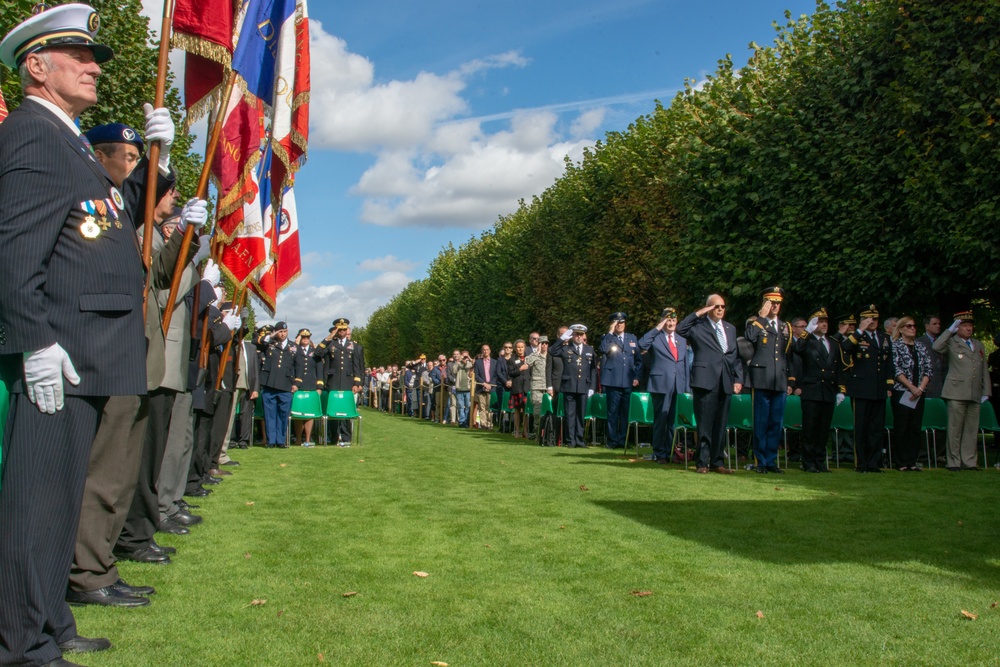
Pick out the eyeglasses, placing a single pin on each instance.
(911, 325)
(720, 305)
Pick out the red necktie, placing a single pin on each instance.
(673, 348)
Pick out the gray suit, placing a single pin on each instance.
(966, 383)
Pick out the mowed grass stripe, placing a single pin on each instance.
(528, 568)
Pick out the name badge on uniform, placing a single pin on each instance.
(631, 344)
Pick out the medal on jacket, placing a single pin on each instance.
(116, 197)
(102, 214)
(114, 214)
(765, 340)
(89, 228)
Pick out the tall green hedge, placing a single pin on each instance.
(854, 160)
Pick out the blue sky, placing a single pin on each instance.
(429, 120)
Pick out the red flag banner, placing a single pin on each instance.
(204, 28)
(235, 161)
(3, 107)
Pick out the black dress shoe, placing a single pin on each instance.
(133, 590)
(775, 469)
(182, 518)
(161, 548)
(212, 480)
(171, 528)
(810, 469)
(762, 470)
(62, 662)
(823, 469)
(142, 555)
(876, 470)
(233, 463)
(109, 596)
(185, 505)
(200, 492)
(80, 644)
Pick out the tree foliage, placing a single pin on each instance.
(854, 160)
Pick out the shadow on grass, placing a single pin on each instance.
(874, 531)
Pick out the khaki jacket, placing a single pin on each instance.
(967, 379)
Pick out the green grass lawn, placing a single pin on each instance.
(533, 555)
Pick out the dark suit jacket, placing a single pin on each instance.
(55, 285)
(308, 370)
(479, 369)
(769, 364)
(579, 373)
(873, 372)
(278, 368)
(820, 375)
(345, 364)
(710, 366)
(667, 375)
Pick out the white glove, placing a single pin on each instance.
(813, 325)
(590, 392)
(204, 250)
(954, 326)
(232, 321)
(211, 273)
(566, 335)
(194, 213)
(840, 398)
(984, 399)
(220, 296)
(267, 338)
(43, 377)
(159, 127)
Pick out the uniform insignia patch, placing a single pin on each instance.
(116, 197)
(89, 229)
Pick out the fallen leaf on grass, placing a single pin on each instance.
(779, 488)
(562, 527)
(282, 465)
(319, 656)
(969, 615)
(350, 594)
(439, 663)
(760, 614)
(583, 487)
(641, 594)
(422, 575)
(246, 554)
(249, 503)
(487, 546)
(994, 605)
(361, 460)
(632, 460)
(255, 603)
(280, 612)
(960, 523)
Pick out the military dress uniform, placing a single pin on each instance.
(769, 378)
(621, 365)
(820, 381)
(277, 375)
(966, 387)
(345, 367)
(65, 280)
(869, 380)
(579, 378)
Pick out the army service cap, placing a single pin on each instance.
(543, 339)
(617, 317)
(774, 294)
(847, 319)
(869, 311)
(341, 323)
(304, 332)
(820, 314)
(578, 328)
(74, 24)
(964, 316)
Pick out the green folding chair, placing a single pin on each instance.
(987, 422)
(341, 405)
(684, 420)
(258, 416)
(890, 423)
(306, 405)
(597, 408)
(740, 419)
(506, 411)
(843, 420)
(791, 420)
(935, 419)
(640, 413)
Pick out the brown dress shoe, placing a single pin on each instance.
(215, 472)
(723, 470)
(701, 471)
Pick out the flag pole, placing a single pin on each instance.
(152, 176)
(206, 170)
(238, 303)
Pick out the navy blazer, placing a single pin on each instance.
(710, 366)
(667, 375)
(621, 362)
(479, 370)
(56, 286)
(820, 379)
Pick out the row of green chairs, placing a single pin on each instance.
(307, 405)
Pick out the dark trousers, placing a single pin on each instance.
(144, 513)
(201, 451)
(575, 407)
(412, 404)
(243, 428)
(277, 404)
(816, 419)
(220, 426)
(664, 416)
(711, 411)
(906, 423)
(869, 429)
(768, 411)
(617, 425)
(45, 461)
(107, 497)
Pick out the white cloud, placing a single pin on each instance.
(587, 123)
(316, 306)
